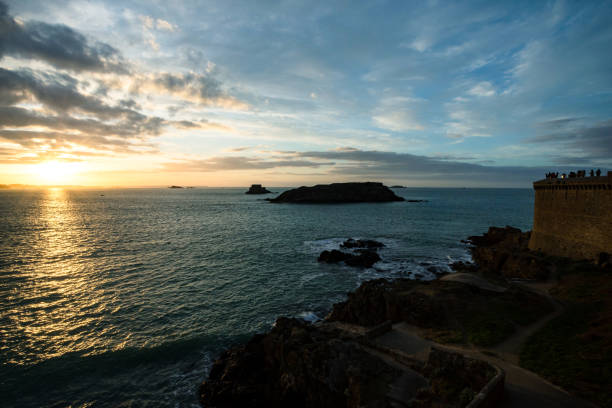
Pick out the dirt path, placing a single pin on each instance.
(523, 388)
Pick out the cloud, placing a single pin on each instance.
(397, 113)
(482, 89)
(199, 88)
(164, 25)
(56, 44)
(238, 163)
(47, 113)
(579, 142)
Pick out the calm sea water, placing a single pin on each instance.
(125, 297)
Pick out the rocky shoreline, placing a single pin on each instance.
(339, 362)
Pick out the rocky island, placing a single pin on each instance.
(368, 192)
(257, 189)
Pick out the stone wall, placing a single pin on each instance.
(573, 217)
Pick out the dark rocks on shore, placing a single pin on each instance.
(368, 192)
(298, 365)
(504, 251)
(257, 189)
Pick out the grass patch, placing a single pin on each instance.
(574, 350)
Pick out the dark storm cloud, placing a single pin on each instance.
(238, 163)
(593, 141)
(57, 44)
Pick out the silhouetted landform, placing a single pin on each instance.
(417, 201)
(257, 189)
(298, 364)
(176, 187)
(368, 192)
(398, 187)
(7, 186)
(573, 216)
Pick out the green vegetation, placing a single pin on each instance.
(487, 318)
(575, 349)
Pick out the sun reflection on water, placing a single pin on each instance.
(57, 309)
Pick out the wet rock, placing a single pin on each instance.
(363, 259)
(339, 193)
(334, 256)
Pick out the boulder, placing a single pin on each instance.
(257, 189)
(368, 192)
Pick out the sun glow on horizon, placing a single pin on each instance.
(56, 172)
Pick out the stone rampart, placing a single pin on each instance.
(573, 217)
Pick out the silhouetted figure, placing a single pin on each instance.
(592, 173)
(572, 174)
(598, 172)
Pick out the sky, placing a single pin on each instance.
(287, 93)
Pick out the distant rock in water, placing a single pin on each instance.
(398, 186)
(257, 189)
(417, 201)
(368, 192)
(176, 187)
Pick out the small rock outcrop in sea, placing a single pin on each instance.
(368, 192)
(363, 253)
(363, 258)
(176, 187)
(257, 189)
(362, 243)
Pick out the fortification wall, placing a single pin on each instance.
(573, 217)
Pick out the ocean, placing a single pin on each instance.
(124, 297)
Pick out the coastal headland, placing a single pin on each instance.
(503, 314)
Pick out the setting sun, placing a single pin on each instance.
(56, 172)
